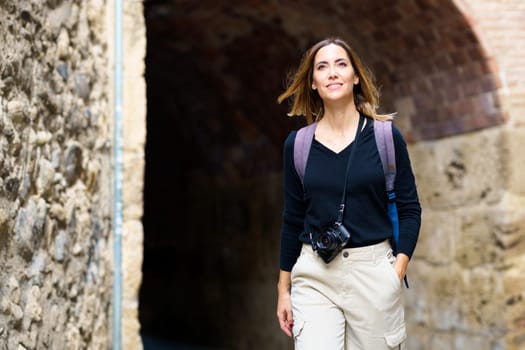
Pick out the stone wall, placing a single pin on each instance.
(134, 134)
(468, 290)
(55, 177)
(457, 294)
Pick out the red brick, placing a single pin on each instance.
(473, 87)
(459, 57)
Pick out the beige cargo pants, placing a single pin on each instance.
(352, 303)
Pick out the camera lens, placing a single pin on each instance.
(325, 240)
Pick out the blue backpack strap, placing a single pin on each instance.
(301, 149)
(385, 146)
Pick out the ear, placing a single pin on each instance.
(313, 86)
(356, 81)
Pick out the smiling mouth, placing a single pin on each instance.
(334, 85)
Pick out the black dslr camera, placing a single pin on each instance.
(331, 241)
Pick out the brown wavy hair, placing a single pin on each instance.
(307, 102)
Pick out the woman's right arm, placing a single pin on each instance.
(294, 208)
(284, 303)
(292, 226)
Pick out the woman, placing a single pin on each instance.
(354, 301)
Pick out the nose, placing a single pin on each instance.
(332, 72)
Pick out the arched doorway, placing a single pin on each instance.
(215, 131)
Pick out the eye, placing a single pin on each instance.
(321, 66)
(342, 64)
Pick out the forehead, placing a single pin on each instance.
(330, 52)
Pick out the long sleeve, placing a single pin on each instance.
(408, 206)
(294, 209)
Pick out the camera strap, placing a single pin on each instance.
(350, 157)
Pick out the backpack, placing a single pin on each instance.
(385, 145)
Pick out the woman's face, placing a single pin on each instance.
(333, 74)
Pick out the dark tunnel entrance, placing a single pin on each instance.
(212, 200)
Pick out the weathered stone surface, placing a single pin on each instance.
(437, 241)
(514, 145)
(460, 171)
(476, 241)
(56, 290)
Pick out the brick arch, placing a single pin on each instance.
(428, 59)
(431, 66)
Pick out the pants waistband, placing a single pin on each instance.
(369, 252)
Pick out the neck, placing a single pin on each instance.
(341, 119)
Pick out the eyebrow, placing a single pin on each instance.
(336, 61)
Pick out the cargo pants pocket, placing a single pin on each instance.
(395, 338)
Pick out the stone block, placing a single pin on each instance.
(441, 341)
(134, 114)
(134, 40)
(481, 300)
(514, 284)
(516, 339)
(476, 241)
(473, 341)
(460, 171)
(431, 301)
(132, 242)
(45, 178)
(418, 336)
(130, 327)
(514, 146)
(133, 180)
(509, 222)
(436, 238)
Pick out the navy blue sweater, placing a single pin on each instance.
(366, 215)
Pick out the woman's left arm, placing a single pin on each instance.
(408, 206)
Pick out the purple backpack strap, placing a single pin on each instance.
(301, 149)
(385, 146)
